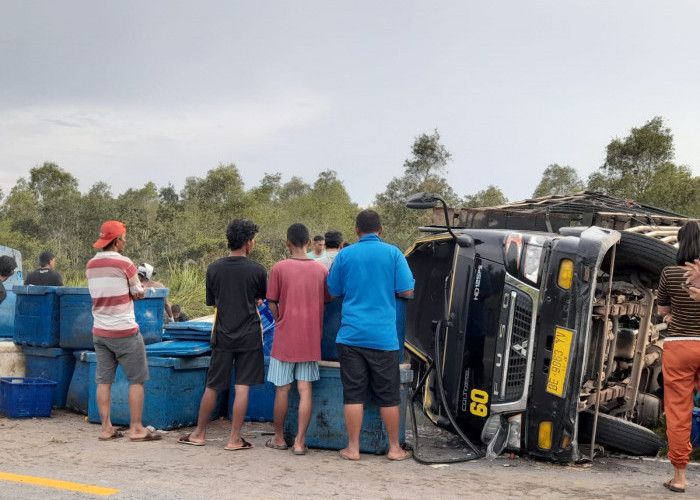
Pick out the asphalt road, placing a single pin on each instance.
(65, 448)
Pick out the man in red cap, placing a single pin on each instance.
(114, 285)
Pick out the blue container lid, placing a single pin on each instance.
(167, 362)
(73, 290)
(33, 289)
(178, 348)
(197, 326)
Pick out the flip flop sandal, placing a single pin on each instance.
(151, 436)
(300, 452)
(674, 489)
(271, 444)
(245, 446)
(406, 454)
(186, 440)
(115, 435)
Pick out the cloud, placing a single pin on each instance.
(99, 142)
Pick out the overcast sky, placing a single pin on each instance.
(129, 91)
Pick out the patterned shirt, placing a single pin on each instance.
(112, 280)
(685, 311)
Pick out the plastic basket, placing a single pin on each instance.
(24, 397)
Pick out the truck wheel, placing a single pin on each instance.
(636, 250)
(619, 434)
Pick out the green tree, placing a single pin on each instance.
(490, 197)
(640, 167)
(423, 172)
(558, 180)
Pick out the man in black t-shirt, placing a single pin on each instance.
(235, 284)
(45, 275)
(7, 269)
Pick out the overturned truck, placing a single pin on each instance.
(534, 325)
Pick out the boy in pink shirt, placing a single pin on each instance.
(296, 295)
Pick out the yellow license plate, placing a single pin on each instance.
(560, 361)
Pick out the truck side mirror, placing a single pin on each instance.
(421, 201)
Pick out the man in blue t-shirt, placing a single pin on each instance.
(369, 275)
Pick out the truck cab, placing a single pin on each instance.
(546, 336)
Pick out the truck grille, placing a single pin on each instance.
(519, 348)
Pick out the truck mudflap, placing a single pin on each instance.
(563, 339)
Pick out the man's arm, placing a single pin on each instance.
(408, 294)
(273, 309)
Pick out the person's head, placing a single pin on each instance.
(7, 267)
(112, 236)
(334, 239)
(46, 259)
(688, 243)
(175, 308)
(298, 235)
(145, 271)
(318, 244)
(368, 222)
(241, 233)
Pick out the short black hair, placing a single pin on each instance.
(368, 222)
(239, 232)
(318, 237)
(175, 308)
(688, 242)
(7, 265)
(298, 234)
(334, 239)
(45, 258)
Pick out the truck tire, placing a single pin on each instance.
(619, 434)
(637, 251)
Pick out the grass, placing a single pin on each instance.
(660, 430)
(186, 283)
(188, 289)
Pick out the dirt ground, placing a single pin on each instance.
(65, 447)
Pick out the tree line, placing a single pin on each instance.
(180, 233)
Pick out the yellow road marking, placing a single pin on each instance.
(56, 483)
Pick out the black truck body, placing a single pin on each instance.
(542, 326)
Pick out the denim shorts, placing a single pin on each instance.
(285, 372)
(127, 352)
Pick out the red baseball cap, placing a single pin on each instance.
(110, 230)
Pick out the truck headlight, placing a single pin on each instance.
(533, 256)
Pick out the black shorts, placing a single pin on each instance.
(369, 371)
(250, 368)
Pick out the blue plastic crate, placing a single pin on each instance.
(79, 387)
(188, 330)
(178, 348)
(695, 429)
(51, 363)
(36, 315)
(24, 397)
(327, 426)
(332, 316)
(172, 394)
(76, 316)
(261, 398)
(7, 315)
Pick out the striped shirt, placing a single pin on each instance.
(112, 279)
(685, 311)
